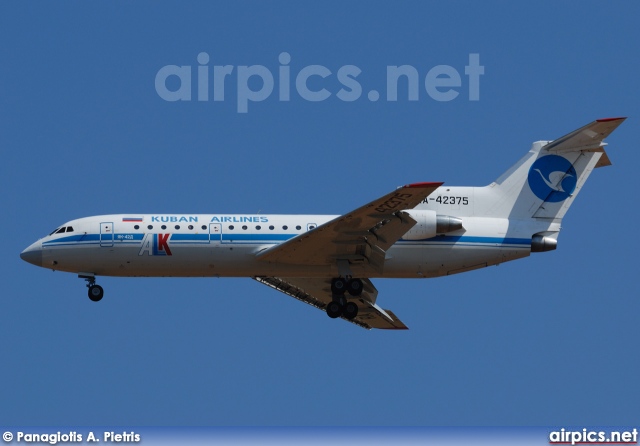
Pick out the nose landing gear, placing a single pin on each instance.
(95, 291)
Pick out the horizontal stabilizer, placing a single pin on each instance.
(587, 138)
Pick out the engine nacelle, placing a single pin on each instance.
(543, 243)
(429, 224)
(445, 223)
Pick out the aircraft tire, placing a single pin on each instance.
(338, 286)
(95, 293)
(350, 310)
(334, 309)
(354, 286)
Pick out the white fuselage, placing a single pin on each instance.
(226, 246)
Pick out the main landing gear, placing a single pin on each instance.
(339, 306)
(95, 291)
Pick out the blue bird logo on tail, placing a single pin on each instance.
(552, 178)
(555, 179)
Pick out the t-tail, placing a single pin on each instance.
(532, 197)
(546, 181)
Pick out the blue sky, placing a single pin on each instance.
(547, 340)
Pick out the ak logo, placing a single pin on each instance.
(552, 178)
(155, 245)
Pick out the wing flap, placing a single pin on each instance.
(317, 293)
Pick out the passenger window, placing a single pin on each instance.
(204, 228)
(231, 227)
(244, 227)
(190, 226)
(150, 227)
(177, 226)
(285, 227)
(258, 227)
(164, 226)
(271, 227)
(298, 227)
(136, 227)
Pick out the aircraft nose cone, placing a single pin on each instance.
(32, 255)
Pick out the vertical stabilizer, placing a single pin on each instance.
(544, 183)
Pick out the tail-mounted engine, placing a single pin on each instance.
(544, 242)
(429, 224)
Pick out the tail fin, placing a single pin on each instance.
(544, 183)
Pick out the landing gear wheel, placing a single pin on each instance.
(338, 286)
(334, 309)
(95, 293)
(354, 286)
(350, 310)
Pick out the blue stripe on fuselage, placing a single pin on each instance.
(136, 238)
(471, 240)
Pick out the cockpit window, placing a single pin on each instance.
(62, 230)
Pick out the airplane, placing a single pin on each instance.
(420, 230)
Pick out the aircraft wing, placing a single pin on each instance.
(588, 138)
(317, 292)
(359, 237)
